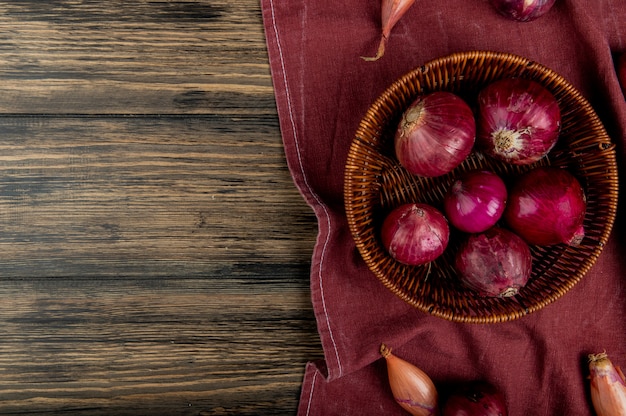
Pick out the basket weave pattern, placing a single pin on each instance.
(375, 183)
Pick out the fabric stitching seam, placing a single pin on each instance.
(305, 181)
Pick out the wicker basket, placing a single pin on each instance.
(375, 183)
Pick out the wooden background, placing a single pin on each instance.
(154, 251)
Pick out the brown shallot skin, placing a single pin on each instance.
(391, 12)
(608, 386)
(412, 389)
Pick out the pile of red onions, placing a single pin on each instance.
(518, 122)
(436, 133)
(523, 10)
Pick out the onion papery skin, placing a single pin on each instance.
(415, 234)
(475, 201)
(436, 133)
(547, 206)
(391, 12)
(412, 388)
(608, 388)
(518, 121)
(475, 398)
(495, 263)
(523, 10)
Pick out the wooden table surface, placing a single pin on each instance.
(155, 253)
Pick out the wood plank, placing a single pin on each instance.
(154, 252)
(145, 196)
(139, 57)
(123, 349)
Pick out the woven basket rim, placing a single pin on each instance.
(357, 168)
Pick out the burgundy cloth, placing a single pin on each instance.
(322, 91)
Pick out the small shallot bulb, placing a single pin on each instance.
(608, 388)
(411, 387)
(390, 12)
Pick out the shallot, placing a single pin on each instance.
(546, 206)
(518, 121)
(415, 234)
(475, 398)
(495, 263)
(475, 201)
(411, 387)
(391, 12)
(523, 10)
(608, 386)
(436, 133)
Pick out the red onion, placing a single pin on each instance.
(494, 263)
(475, 201)
(547, 206)
(415, 234)
(522, 10)
(518, 121)
(477, 398)
(435, 135)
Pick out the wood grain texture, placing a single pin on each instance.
(154, 252)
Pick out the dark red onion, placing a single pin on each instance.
(547, 206)
(436, 133)
(523, 10)
(476, 398)
(494, 263)
(518, 121)
(415, 234)
(475, 202)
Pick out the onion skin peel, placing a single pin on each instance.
(391, 12)
(608, 387)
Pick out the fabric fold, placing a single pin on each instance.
(322, 91)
